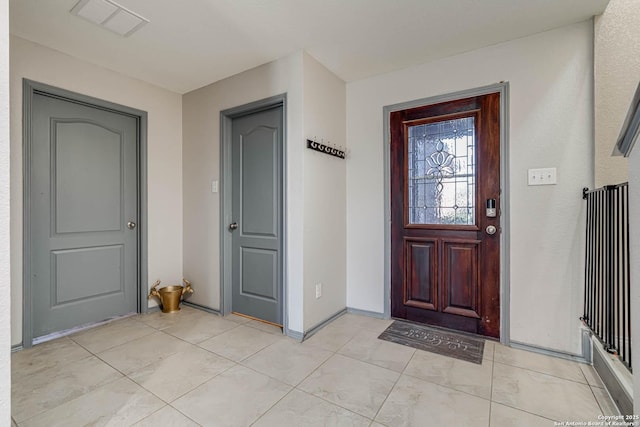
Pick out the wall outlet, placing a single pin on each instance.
(544, 176)
(318, 290)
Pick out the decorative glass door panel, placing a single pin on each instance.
(441, 172)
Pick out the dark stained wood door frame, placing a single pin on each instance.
(503, 89)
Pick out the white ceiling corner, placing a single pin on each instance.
(190, 44)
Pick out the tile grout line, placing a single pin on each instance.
(597, 401)
(542, 373)
(331, 354)
(114, 346)
(295, 387)
(593, 387)
(125, 375)
(524, 410)
(373, 364)
(152, 330)
(513, 407)
(592, 392)
(414, 376)
(91, 389)
(244, 359)
(493, 366)
(186, 392)
(172, 354)
(394, 385)
(333, 403)
(334, 353)
(194, 345)
(272, 406)
(442, 385)
(180, 412)
(40, 414)
(160, 409)
(446, 386)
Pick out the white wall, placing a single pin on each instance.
(634, 274)
(35, 62)
(550, 77)
(617, 69)
(324, 194)
(316, 184)
(5, 262)
(201, 163)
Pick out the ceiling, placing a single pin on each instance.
(191, 43)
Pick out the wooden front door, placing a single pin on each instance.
(445, 243)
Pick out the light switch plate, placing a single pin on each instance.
(543, 176)
(214, 186)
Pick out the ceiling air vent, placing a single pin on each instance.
(110, 15)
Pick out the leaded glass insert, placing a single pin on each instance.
(442, 172)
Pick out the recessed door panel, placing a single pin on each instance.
(88, 169)
(421, 268)
(102, 274)
(461, 279)
(259, 179)
(259, 273)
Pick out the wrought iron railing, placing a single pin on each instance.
(607, 304)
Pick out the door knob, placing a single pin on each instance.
(131, 225)
(233, 226)
(491, 229)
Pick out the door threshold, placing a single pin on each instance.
(256, 319)
(59, 334)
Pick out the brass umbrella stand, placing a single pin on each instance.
(170, 296)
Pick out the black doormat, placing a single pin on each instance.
(435, 340)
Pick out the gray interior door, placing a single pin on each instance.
(83, 198)
(257, 215)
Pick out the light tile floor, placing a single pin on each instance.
(193, 368)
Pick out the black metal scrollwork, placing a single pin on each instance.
(322, 148)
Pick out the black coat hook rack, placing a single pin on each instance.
(326, 149)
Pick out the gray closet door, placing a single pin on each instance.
(257, 213)
(83, 214)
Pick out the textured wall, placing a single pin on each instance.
(201, 160)
(5, 303)
(325, 194)
(164, 154)
(634, 274)
(551, 110)
(617, 73)
(316, 184)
